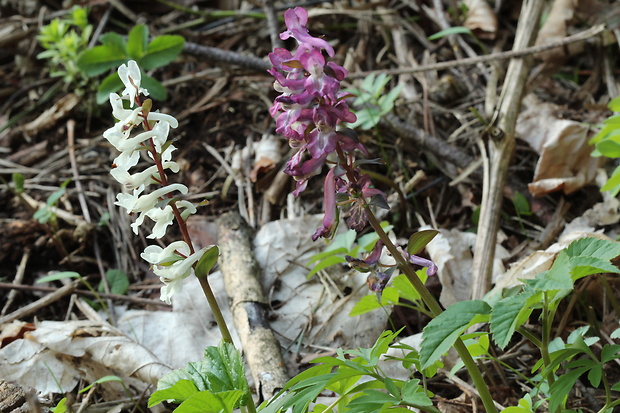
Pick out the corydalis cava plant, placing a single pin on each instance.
(309, 113)
(149, 192)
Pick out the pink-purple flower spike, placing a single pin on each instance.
(309, 113)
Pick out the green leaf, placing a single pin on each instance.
(616, 387)
(413, 393)
(137, 41)
(115, 43)
(111, 84)
(560, 389)
(594, 247)
(58, 276)
(441, 333)
(61, 407)
(327, 262)
(609, 148)
(162, 50)
(18, 182)
(104, 379)
(99, 59)
(450, 31)
(371, 401)
(419, 240)
(613, 183)
(207, 261)
(117, 281)
(179, 391)
(521, 205)
(208, 402)
(156, 90)
(507, 315)
(405, 289)
(221, 370)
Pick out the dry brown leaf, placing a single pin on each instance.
(554, 27)
(56, 355)
(481, 19)
(48, 118)
(451, 251)
(565, 162)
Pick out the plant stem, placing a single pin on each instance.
(433, 305)
(546, 337)
(527, 334)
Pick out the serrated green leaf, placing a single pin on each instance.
(179, 391)
(441, 333)
(99, 59)
(208, 402)
(156, 90)
(58, 276)
(137, 41)
(162, 50)
(419, 240)
(594, 247)
(507, 315)
(450, 31)
(562, 386)
(221, 370)
(584, 266)
(207, 261)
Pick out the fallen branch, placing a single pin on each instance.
(249, 306)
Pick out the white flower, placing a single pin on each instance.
(189, 208)
(163, 218)
(154, 254)
(121, 174)
(127, 159)
(131, 77)
(171, 275)
(142, 204)
(127, 117)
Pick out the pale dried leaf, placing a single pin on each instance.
(451, 251)
(481, 19)
(565, 162)
(52, 358)
(554, 28)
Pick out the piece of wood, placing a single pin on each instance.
(501, 144)
(249, 306)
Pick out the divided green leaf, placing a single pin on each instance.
(441, 333)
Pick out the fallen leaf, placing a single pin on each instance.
(481, 19)
(565, 163)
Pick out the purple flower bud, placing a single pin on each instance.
(296, 21)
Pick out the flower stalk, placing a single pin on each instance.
(178, 260)
(309, 113)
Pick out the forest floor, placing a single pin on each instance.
(431, 146)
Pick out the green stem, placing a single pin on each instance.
(527, 334)
(546, 338)
(433, 305)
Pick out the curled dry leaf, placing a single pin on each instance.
(565, 162)
(451, 250)
(52, 358)
(266, 156)
(481, 19)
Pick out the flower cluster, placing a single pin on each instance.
(308, 113)
(381, 272)
(173, 263)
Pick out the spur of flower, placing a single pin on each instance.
(161, 204)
